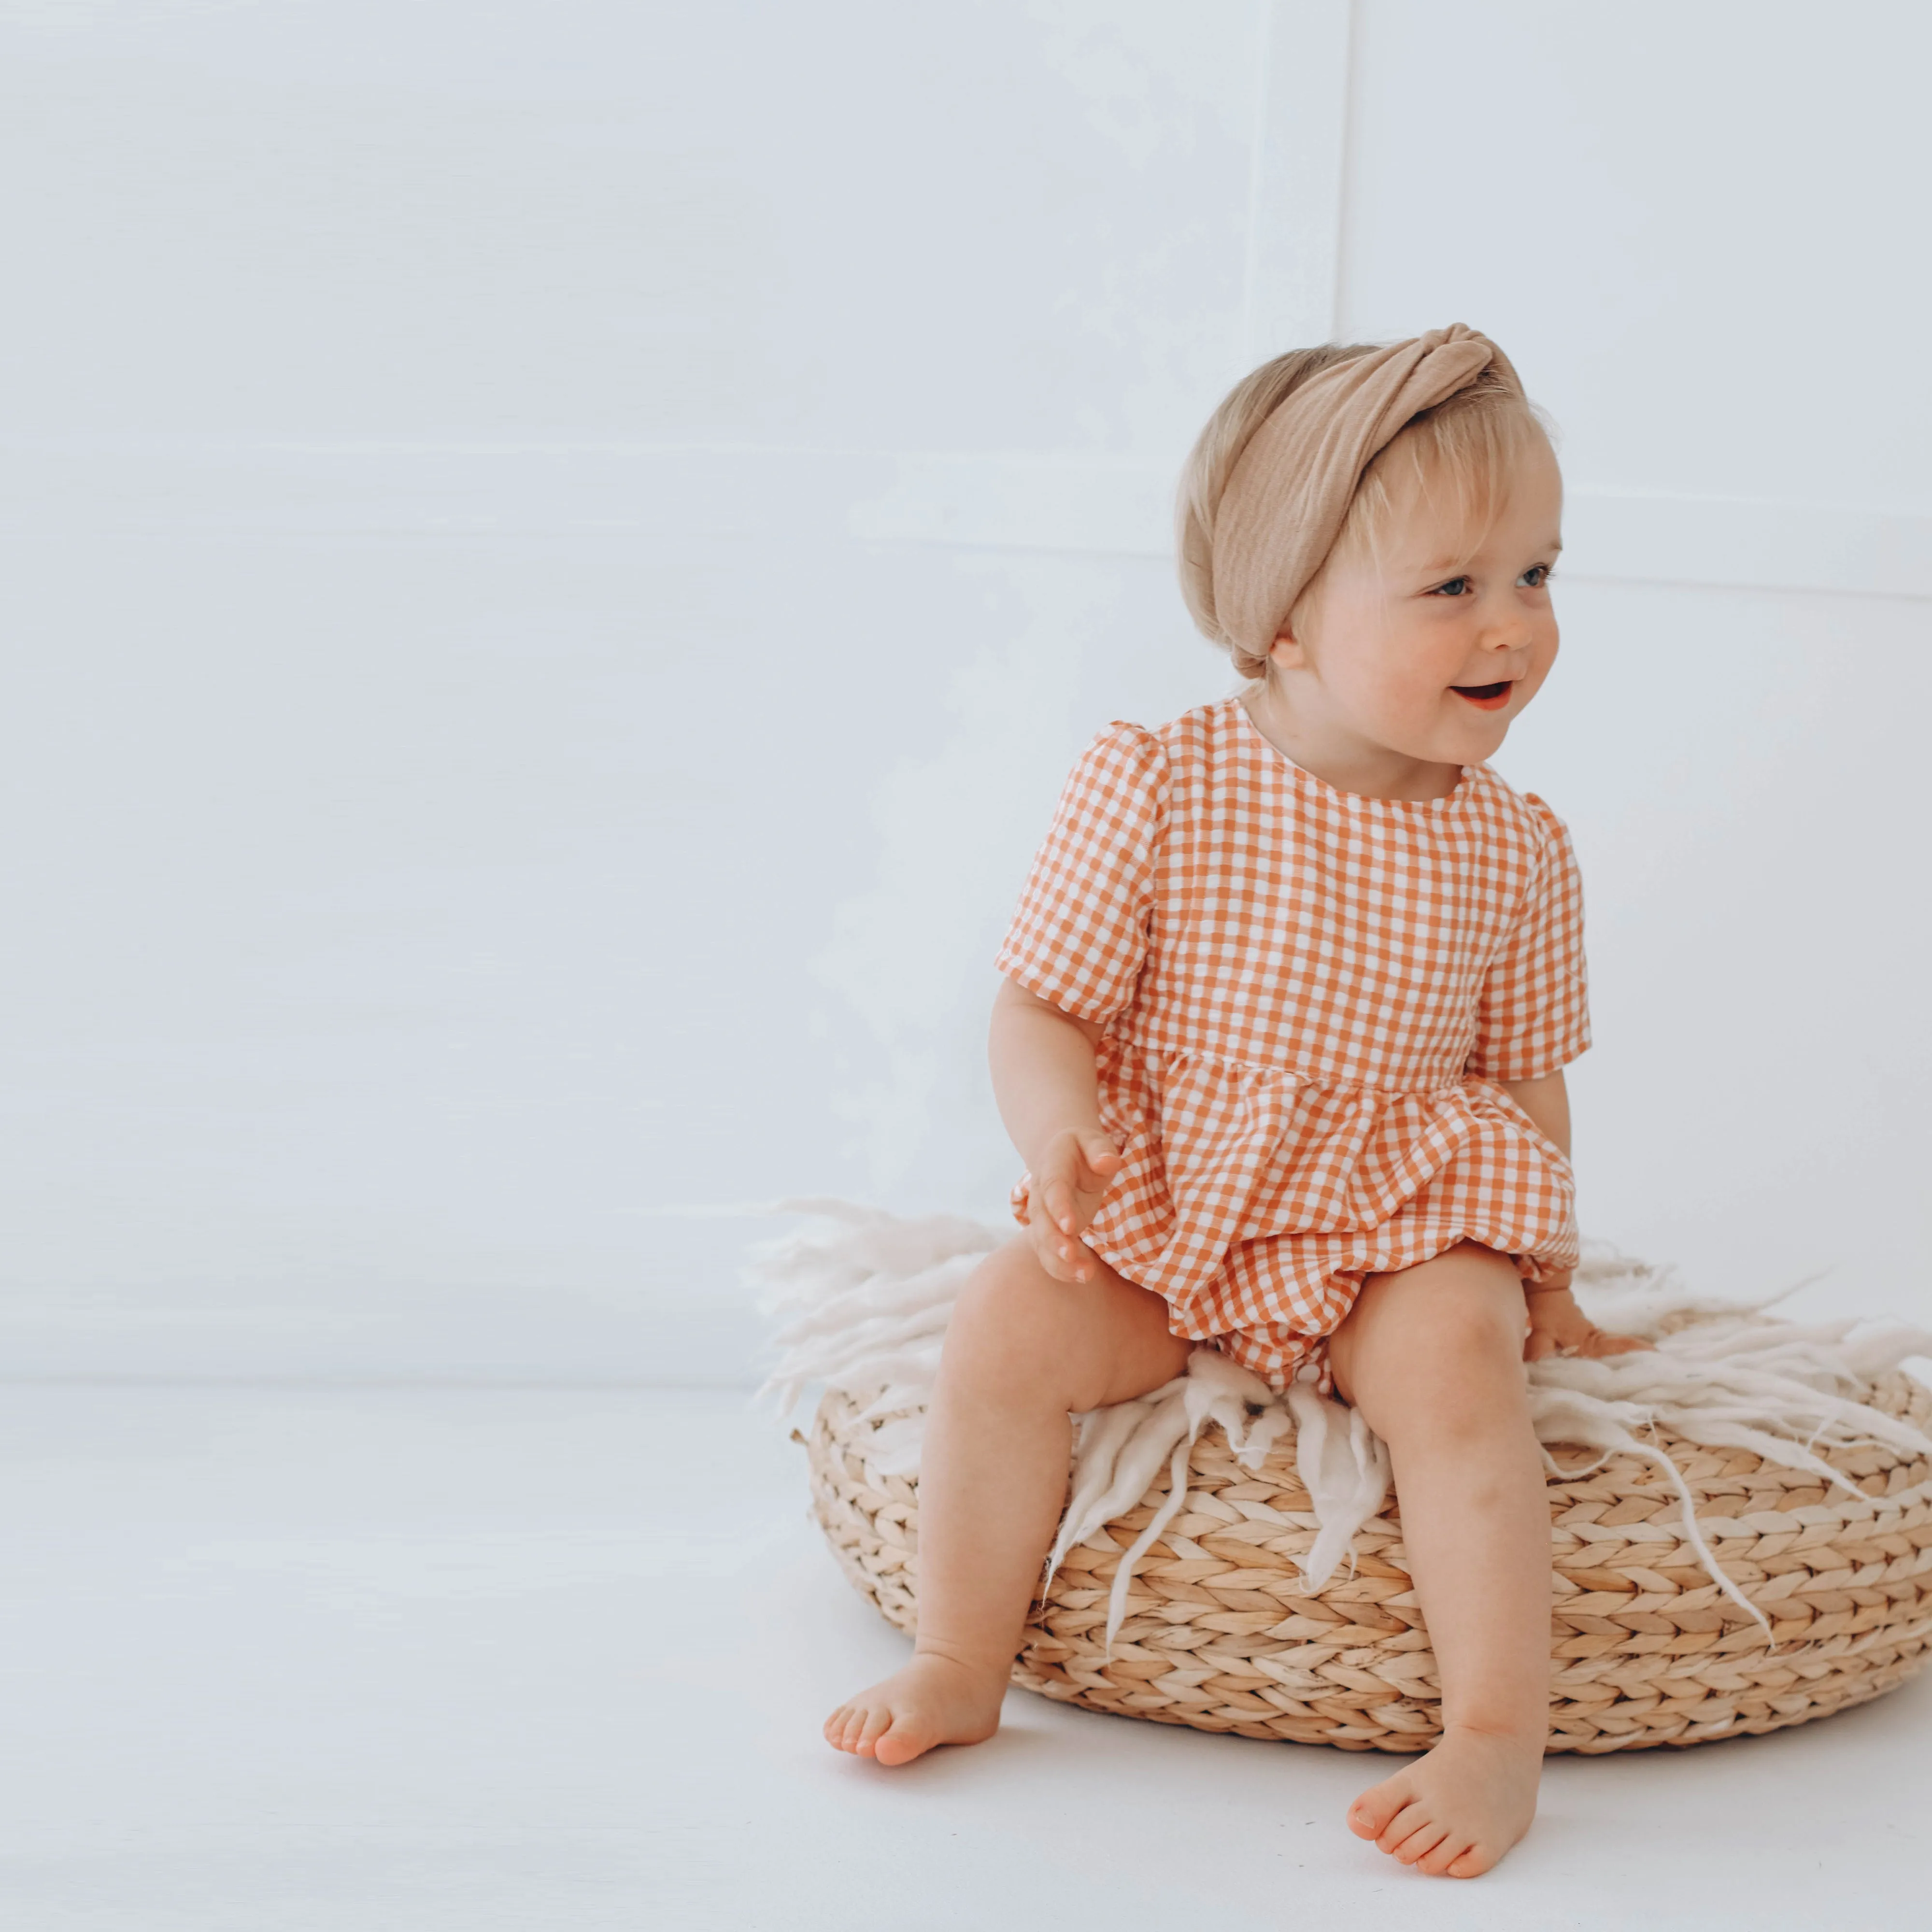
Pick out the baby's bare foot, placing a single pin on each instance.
(1556, 1324)
(1459, 1808)
(932, 1701)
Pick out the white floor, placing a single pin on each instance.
(402, 1660)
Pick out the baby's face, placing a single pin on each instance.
(1432, 650)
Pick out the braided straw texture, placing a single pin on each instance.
(1645, 1650)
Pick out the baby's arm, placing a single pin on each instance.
(1546, 1101)
(1555, 1321)
(1044, 1081)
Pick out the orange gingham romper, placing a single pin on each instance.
(1310, 997)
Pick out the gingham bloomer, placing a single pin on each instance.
(1309, 998)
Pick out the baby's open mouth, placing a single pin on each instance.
(1486, 697)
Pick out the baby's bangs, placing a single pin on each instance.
(1461, 457)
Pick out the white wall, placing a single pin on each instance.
(555, 558)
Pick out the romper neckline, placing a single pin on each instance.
(1464, 787)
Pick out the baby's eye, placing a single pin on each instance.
(1456, 587)
(1535, 577)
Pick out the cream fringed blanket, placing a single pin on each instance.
(864, 1297)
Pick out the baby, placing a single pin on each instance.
(1280, 1040)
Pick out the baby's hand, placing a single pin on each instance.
(1558, 1327)
(1062, 1195)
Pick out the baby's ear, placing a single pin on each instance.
(1286, 650)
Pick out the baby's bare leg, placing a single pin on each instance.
(1022, 1351)
(1432, 1357)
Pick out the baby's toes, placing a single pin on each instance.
(1369, 1816)
(878, 1721)
(1411, 1819)
(1419, 1844)
(1444, 1853)
(906, 1739)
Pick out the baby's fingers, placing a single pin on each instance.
(1061, 1196)
(1098, 1151)
(1601, 1341)
(1063, 1256)
(1062, 1207)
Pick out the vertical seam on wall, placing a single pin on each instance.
(1344, 186)
(1305, 59)
(1257, 154)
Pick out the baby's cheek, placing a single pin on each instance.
(1416, 663)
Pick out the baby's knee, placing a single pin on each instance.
(1476, 1313)
(1445, 1331)
(1003, 1324)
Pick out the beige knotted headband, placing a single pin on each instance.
(1287, 496)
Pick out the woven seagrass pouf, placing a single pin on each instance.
(1646, 1649)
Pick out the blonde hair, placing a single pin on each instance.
(1471, 442)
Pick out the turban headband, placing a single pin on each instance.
(1286, 498)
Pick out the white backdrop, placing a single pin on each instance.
(555, 558)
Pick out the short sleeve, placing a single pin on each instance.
(1535, 1017)
(1080, 937)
